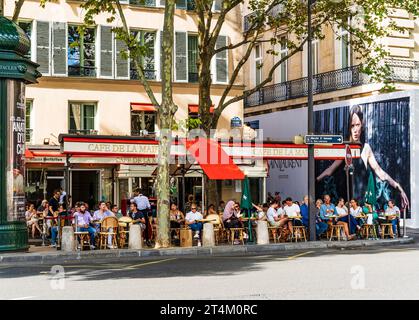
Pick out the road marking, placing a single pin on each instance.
(147, 263)
(23, 298)
(299, 255)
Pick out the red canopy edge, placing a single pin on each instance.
(213, 160)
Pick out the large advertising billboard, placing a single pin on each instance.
(382, 129)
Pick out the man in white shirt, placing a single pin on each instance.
(292, 210)
(191, 218)
(275, 215)
(394, 212)
(143, 206)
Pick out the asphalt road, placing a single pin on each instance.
(376, 273)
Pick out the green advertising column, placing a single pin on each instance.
(15, 72)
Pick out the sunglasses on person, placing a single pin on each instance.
(193, 208)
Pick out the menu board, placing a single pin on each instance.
(15, 166)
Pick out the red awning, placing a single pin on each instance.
(194, 108)
(29, 154)
(136, 106)
(215, 162)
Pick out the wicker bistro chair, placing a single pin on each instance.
(106, 225)
(123, 231)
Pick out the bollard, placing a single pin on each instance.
(135, 240)
(262, 232)
(208, 237)
(68, 243)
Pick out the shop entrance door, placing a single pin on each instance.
(85, 186)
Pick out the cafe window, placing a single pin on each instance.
(143, 119)
(82, 118)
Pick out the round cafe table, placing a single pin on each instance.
(205, 220)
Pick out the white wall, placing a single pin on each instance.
(287, 177)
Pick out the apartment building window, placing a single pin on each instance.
(258, 64)
(27, 27)
(345, 48)
(283, 67)
(143, 3)
(82, 118)
(143, 119)
(192, 58)
(81, 52)
(147, 39)
(315, 56)
(29, 121)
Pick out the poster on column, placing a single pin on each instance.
(15, 166)
(382, 129)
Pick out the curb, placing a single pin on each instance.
(62, 257)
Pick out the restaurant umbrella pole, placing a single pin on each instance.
(246, 204)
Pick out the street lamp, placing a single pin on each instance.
(310, 128)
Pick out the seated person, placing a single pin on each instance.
(327, 208)
(275, 219)
(261, 211)
(82, 220)
(116, 212)
(213, 215)
(394, 212)
(346, 220)
(292, 210)
(321, 227)
(98, 217)
(176, 216)
(32, 219)
(137, 216)
(356, 212)
(191, 218)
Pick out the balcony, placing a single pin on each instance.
(77, 71)
(83, 131)
(400, 71)
(148, 73)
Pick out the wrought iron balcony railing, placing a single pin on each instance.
(322, 82)
(400, 71)
(404, 70)
(142, 133)
(77, 71)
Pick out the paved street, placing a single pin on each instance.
(380, 273)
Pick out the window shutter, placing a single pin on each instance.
(221, 66)
(217, 5)
(121, 62)
(106, 52)
(181, 4)
(42, 46)
(59, 48)
(181, 61)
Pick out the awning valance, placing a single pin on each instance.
(137, 106)
(194, 108)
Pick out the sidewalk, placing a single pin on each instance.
(46, 255)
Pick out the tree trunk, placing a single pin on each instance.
(165, 115)
(1, 8)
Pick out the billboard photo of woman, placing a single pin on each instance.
(383, 132)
